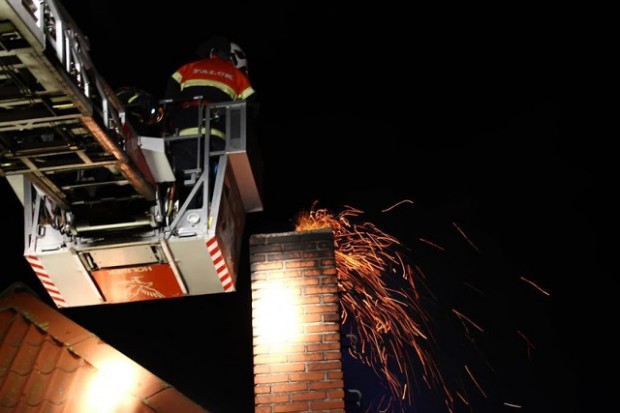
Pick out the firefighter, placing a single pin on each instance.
(142, 111)
(215, 78)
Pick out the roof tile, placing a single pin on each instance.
(60, 384)
(28, 353)
(11, 389)
(48, 357)
(50, 364)
(18, 327)
(169, 401)
(5, 322)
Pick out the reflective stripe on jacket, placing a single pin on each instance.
(214, 72)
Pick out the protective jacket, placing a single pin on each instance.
(216, 79)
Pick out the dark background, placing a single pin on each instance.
(471, 113)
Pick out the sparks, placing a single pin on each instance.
(514, 406)
(384, 296)
(529, 344)
(390, 322)
(397, 204)
(469, 241)
(463, 317)
(432, 244)
(475, 381)
(535, 286)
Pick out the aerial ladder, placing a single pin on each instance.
(103, 219)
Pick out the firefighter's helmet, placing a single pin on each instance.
(215, 45)
(224, 48)
(238, 57)
(142, 108)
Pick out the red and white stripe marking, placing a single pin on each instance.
(220, 265)
(47, 282)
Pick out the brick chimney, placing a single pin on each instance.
(296, 323)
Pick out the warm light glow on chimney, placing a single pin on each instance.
(276, 314)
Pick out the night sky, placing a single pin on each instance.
(471, 114)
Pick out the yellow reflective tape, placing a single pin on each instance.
(194, 131)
